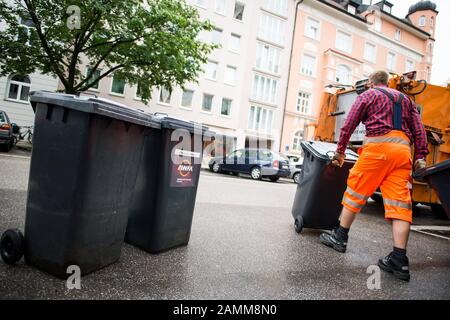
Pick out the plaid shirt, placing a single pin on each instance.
(374, 109)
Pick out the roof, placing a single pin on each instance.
(422, 6)
(336, 4)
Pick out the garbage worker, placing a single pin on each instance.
(393, 124)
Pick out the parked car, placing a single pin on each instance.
(258, 163)
(295, 166)
(6, 132)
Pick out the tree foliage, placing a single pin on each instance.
(145, 43)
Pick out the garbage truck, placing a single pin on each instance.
(433, 103)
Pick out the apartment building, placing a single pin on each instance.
(15, 89)
(242, 92)
(339, 42)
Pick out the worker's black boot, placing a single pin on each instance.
(397, 264)
(337, 239)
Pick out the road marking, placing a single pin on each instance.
(423, 229)
(14, 156)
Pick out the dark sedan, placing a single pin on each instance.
(258, 163)
(6, 132)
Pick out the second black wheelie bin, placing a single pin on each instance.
(438, 177)
(83, 170)
(163, 202)
(321, 186)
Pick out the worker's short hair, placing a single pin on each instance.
(379, 77)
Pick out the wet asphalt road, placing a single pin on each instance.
(242, 246)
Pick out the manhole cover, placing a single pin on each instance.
(436, 231)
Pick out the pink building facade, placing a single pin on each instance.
(340, 42)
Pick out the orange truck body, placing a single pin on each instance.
(434, 105)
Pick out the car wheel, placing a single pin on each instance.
(439, 211)
(215, 167)
(256, 173)
(274, 179)
(298, 225)
(12, 246)
(378, 198)
(296, 177)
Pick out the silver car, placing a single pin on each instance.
(295, 166)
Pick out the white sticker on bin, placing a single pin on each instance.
(186, 153)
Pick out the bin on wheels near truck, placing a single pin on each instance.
(83, 170)
(164, 197)
(438, 177)
(321, 186)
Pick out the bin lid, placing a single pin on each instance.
(326, 150)
(101, 106)
(428, 171)
(176, 123)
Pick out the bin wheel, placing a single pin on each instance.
(298, 225)
(12, 246)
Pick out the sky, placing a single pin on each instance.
(440, 72)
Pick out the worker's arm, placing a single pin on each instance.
(418, 131)
(354, 118)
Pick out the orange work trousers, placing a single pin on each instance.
(385, 162)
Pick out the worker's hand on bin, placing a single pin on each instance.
(338, 159)
(419, 164)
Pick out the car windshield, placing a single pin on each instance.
(236, 153)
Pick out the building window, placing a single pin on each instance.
(432, 22)
(239, 11)
(94, 77)
(387, 8)
(271, 29)
(398, 34)
(367, 2)
(344, 74)
(230, 75)
(264, 89)
(298, 137)
(308, 67)
(312, 28)
(211, 70)
(370, 52)
(304, 102)
(430, 48)
(351, 9)
(24, 33)
(207, 102)
(200, 3)
(216, 36)
(186, 98)
(221, 6)
(344, 41)
(19, 88)
(226, 107)
(422, 21)
(118, 86)
(268, 58)
(235, 42)
(164, 95)
(276, 6)
(391, 61)
(260, 119)
(409, 66)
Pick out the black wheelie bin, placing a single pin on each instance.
(164, 197)
(83, 170)
(321, 186)
(438, 177)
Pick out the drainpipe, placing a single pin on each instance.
(289, 73)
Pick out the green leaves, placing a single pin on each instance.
(147, 43)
